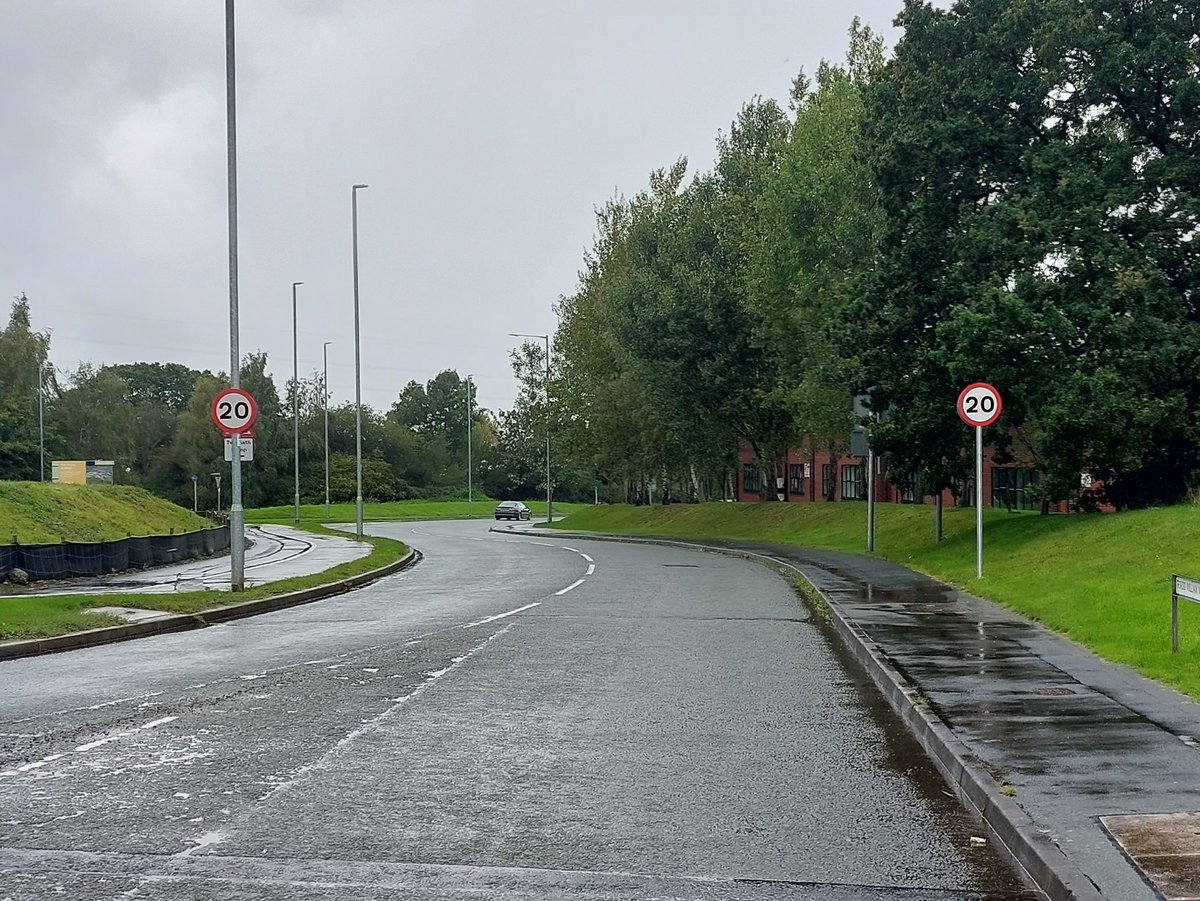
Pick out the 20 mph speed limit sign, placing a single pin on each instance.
(979, 404)
(234, 411)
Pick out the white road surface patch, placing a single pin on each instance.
(492, 619)
(206, 840)
(570, 587)
(591, 569)
(371, 723)
(89, 746)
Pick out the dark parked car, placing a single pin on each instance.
(513, 510)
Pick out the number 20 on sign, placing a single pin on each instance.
(234, 411)
(979, 404)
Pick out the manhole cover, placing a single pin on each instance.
(1165, 847)
(1054, 691)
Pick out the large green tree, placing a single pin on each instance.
(23, 373)
(1036, 161)
(820, 220)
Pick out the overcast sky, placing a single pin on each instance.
(489, 132)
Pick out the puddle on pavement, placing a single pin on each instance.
(1164, 847)
(905, 756)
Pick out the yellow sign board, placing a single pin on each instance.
(69, 472)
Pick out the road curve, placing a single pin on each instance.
(516, 717)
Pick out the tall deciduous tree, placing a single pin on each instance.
(1036, 161)
(22, 369)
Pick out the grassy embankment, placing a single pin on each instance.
(41, 513)
(1103, 580)
(56, 512)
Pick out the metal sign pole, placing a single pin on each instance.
(870, 499)
(979, 502)
(237, 517)
(1174, 619)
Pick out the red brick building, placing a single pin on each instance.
(806, 477)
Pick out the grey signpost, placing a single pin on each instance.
(979, 406)
(1189, 590)
(237, 515)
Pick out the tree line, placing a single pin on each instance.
(1012, 196)
(154, 420)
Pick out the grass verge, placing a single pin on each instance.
(1103, 580)
(43, 513)
(42, 617)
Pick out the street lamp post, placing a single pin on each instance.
(358, 499)
(41, 416)
(325, 404)
(295, 409)
(469, 495)
(549, 495)
(237, 515)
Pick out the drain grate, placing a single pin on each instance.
(1054, 691)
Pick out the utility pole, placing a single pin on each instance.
(41, 416)
(358, 498)
(295, 408)
(325, 404)
(469, 496)
(237, 516)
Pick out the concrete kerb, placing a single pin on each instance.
(178, 622)
(1018, 836)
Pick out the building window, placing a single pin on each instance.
(1009, 486)
(853, 482)
(751, 478)
(795, 478)
(828, 483)
(908, 489)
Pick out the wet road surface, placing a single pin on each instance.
(513, 718)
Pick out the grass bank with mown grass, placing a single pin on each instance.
(44, 513)
(1102, 579)
(395, 511)
(41, 617)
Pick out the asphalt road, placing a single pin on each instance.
(513, 718)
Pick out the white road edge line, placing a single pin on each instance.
(492, 619)
(573, 585)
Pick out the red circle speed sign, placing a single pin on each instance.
(234, 411)
(979, 404)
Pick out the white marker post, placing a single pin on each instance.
(979, 406)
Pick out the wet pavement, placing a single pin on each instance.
(1077, 742)
(275, 553)
(516, 717)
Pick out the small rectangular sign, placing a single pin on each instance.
(247, 449)
(1185, 588)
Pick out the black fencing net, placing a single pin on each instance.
(75, 558)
